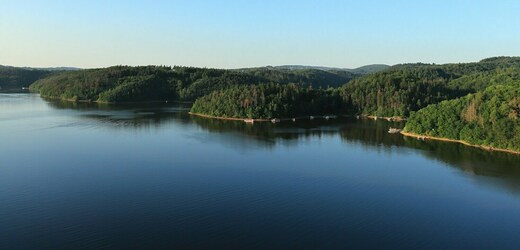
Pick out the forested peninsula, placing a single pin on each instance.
(475, 103)
(158, 83)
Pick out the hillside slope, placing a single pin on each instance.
(401, 89)
(487, 118)
(13, 79)
(150, 83)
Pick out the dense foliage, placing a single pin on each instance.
(401, 89)
(150, 83)
(396, 92)
(489, 118)
(474, 82)
(14, 79)
(120, 83)
(409, 87)
(268, 101)
(312, 77)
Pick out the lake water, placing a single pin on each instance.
(151, 176)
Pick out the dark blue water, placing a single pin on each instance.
(151, 176)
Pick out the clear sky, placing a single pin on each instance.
(232, 34)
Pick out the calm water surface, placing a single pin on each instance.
(151, 176)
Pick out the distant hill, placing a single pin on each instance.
(372, 68)
(53, 68)
(304, 75)
(363, 70)
(16, 79)
(13, 79)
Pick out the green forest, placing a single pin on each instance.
(402, 89)
(155, 83)
(13, 79)
(474, 102)
(267, 101)
(396, 91)
(488, 118)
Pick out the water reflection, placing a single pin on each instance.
(367, 133)
(471, 161)
(134, 116)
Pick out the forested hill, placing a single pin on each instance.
(265, 101)
(401, 89)
(394, 91)
(149, 83)
(368, 69)
(13, 79)
(488, 118)
(318, 78)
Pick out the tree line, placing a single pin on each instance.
(268, 101)
(151, 83)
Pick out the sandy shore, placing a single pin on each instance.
(459, 141)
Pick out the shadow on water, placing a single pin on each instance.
(374, 135)
(471, 161)
(367, 133)
(128, 116)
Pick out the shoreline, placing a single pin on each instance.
(389, 119)
(361, 116)
(228, 118)
(250, 120)
(263, 119)
(488, 148)
(116, 103)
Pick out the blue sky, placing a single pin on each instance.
(233, 34)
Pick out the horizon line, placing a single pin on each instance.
(250, 67)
